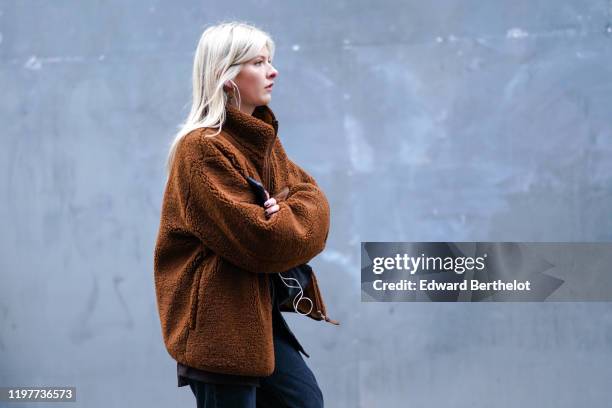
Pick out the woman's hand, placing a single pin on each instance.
(270, 205)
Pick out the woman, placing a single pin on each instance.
(219, 253)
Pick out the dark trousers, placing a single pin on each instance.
(291, 385)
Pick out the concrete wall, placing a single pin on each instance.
(422, 121)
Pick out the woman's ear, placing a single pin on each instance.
(282, 195)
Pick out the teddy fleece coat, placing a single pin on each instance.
(216, 249)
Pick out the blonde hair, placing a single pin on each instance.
(221, 51)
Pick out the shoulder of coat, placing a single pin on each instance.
(203, 140)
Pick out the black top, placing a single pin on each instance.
(184, 373)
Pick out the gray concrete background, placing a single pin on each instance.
(422, 121)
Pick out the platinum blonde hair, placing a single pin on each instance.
(221, 51)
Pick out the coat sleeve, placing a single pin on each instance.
(221, 211)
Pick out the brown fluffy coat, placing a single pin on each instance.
(216, 249)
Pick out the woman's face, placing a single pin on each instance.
(254, 81)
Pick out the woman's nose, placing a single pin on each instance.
(273, 73)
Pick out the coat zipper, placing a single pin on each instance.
(266, 166)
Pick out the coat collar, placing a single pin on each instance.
(255, 132)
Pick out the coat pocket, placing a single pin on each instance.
(195, 289)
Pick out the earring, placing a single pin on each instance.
(228, 92)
